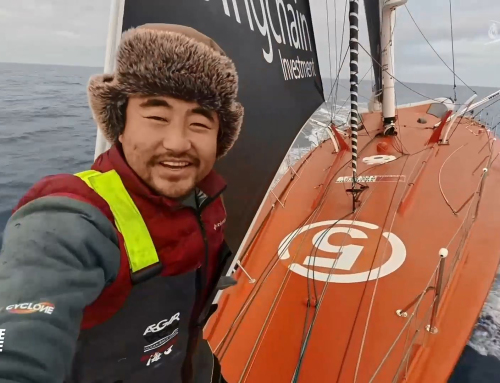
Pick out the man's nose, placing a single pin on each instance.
(176, 138)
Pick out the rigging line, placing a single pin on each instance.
(458, 124)
(366, 282)
(406, 358)
(305, 340)
(444, 62)
(347, 99)
(281, 290)
(453, 54)
(323, 293)
(493, 103)
(468, 211)
(406, 355)
(402, 83)
(368, 317)
(341, 48)
(403, 148)
(319, 303)
(267, 270)
(316, 211)
(337, 57)
(439, 179)
(408, 321)
(459, 250)
(329, 54)
(360, 95)
(338, 74)
(243, 310)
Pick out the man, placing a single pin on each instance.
(108, 275)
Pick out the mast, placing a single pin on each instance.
(353, 46)
(389, 95)
(114, 35)
(372, 11)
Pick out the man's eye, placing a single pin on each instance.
(157, 118)
(200, 125)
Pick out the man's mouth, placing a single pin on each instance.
(176, 165)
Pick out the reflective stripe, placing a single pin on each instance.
(138, 243)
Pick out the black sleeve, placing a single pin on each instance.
(57, 256)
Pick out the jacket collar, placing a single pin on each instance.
(113, 159)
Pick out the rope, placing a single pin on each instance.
(444, 62)
(493, 103)
(337, 58)
(453, 54)
(384, 359)
(368, 317)
(338, 74)
(320, 301)
(439, 179)
(402, 83)
(329, 55)
(341, 48)
(243, 311)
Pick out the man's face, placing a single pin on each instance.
(171, 144)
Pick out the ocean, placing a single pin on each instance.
(46, 128)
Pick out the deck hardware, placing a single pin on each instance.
(251, 280)
(277, 199)
(401, 313)
(431, 327)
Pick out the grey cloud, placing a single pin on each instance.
(69, 32)
(476, 62)
(74, 32)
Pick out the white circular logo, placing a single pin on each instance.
(379, 159)
(347, 254)
(493, 31)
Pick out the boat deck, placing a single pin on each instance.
(329, 281)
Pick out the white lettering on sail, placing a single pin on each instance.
(297, 30)
(290, 67)
(264, 30)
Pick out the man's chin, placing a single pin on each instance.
(177, 190)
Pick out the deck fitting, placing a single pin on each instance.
(431, 330)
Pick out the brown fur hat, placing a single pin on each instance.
(172, 60)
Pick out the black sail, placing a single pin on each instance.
(273, 47)
(372, 10)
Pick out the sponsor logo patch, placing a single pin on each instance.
(158, 354)
(366, 179)
(217, 225)
(161, 342)
(162, 333)
(30, 308)
(161, 325)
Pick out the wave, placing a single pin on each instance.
(485, 338)
(4, 217)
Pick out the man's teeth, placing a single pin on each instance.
(175, 164)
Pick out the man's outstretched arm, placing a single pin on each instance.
(58, 254)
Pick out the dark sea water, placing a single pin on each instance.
(46, 128)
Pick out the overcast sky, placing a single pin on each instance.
(73, 32)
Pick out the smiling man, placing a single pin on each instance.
(108, 275)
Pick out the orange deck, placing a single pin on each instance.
(430, 197)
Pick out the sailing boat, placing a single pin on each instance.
(370, 258)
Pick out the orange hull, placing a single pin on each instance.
(329, 281)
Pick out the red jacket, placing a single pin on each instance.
(173, 227)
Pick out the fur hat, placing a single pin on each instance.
(173, 60)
